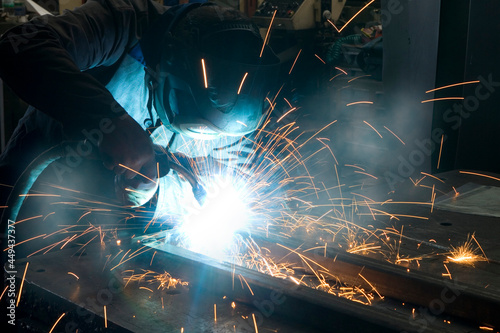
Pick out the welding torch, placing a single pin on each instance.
(180, 164)
(166, 161)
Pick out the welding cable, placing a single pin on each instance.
(28, 178)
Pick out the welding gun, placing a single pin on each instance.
(181, 164)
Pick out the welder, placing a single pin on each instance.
(117, 76)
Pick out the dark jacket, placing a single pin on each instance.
(60, 64)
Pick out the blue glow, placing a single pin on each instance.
(212, 228)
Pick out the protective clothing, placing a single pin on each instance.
(209, 77)
(60, 65)
(84, 73)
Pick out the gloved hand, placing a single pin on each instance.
(134, 192)
(128, 151)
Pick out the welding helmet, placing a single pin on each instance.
(213, 74)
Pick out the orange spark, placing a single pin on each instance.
(267, 34)
(204, 73)
(333, 25)
(357, 77)
(151, 263)
(433, 197)
(373, 128)
(360, 102)
(270, 103)
(485, 328)
(340, 189)
(352, 18)
(442, 99)
(466, 253)
(26, 240)
(451, 85)
(29, 218)
(241, 84)
(3, 292)
(251, 291)
(137, 172)
(39, 195)
(412, 216)
(241, 123)
(447, 274)
(397, 137)
(71, 273)
(340, 69)
(315, 134)
(22, 283)
(57, 321)
(373, 288)
(371, 212)
(255, 323)
(365, 173)
(335, 76)
(479, 174)
(131, 190)
(293, 65)
(69, 240)
(328, 147)
(286, 113)
(432, 176)
(130, 257)
(317, 56)
(484, 254)
(105, 317)
(355, 166)
(48, 215)
(440, 150)
(83, 215)
(215, 312)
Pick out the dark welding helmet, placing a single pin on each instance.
(214, 74)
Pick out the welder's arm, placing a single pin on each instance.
(44, 62)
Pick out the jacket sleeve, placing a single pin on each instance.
(44, 61)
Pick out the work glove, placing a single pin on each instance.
(128, 150)
(134, 192)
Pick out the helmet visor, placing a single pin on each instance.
(209, 94)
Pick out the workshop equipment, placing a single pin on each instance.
(278, 304)
(296, 15)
